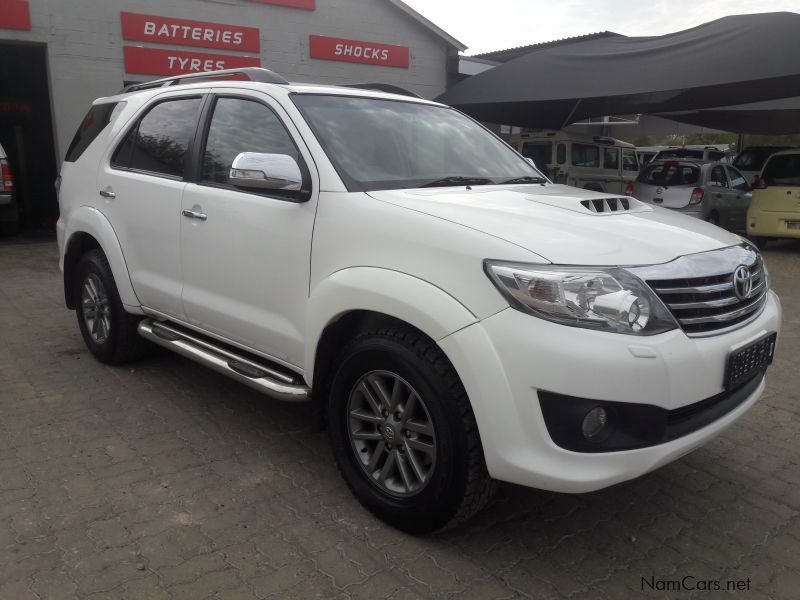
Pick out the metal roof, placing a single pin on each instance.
(508, 54)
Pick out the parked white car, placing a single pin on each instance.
(457, 318)
(703, 153)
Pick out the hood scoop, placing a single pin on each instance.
(611, 205)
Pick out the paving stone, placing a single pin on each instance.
(163, 480)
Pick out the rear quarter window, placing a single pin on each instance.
(98, 117)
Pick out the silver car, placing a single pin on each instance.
(712, 191)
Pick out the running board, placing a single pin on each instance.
(265, 379)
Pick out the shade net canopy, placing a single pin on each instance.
(773, 117)
(731, 61)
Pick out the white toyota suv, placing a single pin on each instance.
(456, 317)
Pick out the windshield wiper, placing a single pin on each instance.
(458, 180)
(524, 179)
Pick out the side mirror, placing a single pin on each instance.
(278, 172)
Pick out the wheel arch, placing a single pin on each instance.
(354, 299)
(88, 230)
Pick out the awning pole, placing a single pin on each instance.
(572, 112)
(740, 143)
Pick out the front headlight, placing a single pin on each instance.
(607, 299)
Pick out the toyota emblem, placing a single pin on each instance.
(742, 282)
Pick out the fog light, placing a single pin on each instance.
(594, 422)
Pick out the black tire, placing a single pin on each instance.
(760, 242)
(713, 218)
(122, 343)
(459, 485)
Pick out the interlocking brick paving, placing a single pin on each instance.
(166, 480)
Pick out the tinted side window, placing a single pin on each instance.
(629, 160)
(584, 155)
(611, 159)
(561, 154)
(93, 123)
(717, 177)
(159, 142)
(738, 182)
(242, 126)
(540, 152)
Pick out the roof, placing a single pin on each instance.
(429, 25)
(508, 54)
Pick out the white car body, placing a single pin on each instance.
(416, 255)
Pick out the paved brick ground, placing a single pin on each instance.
(169, 481)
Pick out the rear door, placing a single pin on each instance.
(781, 175)
(736, 217)
(141, 183)
(246, 261)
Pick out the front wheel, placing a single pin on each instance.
(403, 432)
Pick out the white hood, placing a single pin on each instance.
(551, 221)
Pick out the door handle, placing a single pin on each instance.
(108, 194)
(191, 214)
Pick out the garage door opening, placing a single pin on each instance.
(26, 133)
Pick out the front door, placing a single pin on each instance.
(246, 255)
(740, 200)
(141, 184)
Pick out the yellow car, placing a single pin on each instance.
(775, 209)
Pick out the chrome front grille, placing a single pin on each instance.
(705, 305)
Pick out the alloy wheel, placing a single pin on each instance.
(96, 308)
(391, 433)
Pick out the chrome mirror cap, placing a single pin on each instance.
(255, 170)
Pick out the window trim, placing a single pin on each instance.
(140, 115)
(195, 175)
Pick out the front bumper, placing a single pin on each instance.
(505, 360)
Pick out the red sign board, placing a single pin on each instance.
(371, 53)
(305, 4)
(181, 32)
(154, 61)
(15, 14)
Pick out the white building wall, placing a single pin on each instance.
(84, 41)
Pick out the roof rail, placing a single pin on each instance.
(256, 74)
(383, 87)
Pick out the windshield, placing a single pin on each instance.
(753, 159)
(669, 174)
(379, 144)
(783, 170)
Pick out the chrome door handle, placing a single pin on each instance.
(195, 215)
(107, 194)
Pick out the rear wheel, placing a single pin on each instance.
(403, 432)
(713, 218)
(108, 331)
(760, 242)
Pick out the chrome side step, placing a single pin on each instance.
(263, 378)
